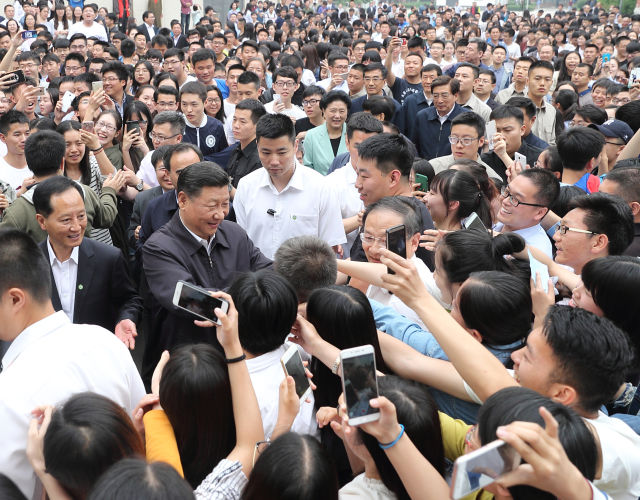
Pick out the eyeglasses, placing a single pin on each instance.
(446, 95)
(162, 104)
(372, 79)
(78, 47)
(372, 240)
(614, 143)
(310, 102)
(623, 100)
(505, 193)
(563, 228)
(285, 85)
(161, 138)
(465, 141)
(111, 79)
(28, 66)
(259, 448)
(105, 126)
(214, 100)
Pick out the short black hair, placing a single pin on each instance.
(23, 265)
(285, 72)
(391, 152)
(273, 126)
(541, 64)
(194, 88)
(335, 95)
(363, 122)
(44, 152)
(174, 52)
(380, 105)
(628, 181)
(249, 77)
(547, 185)
(55, 185)
(202, 55)
(200, 175)
(524, 103)
(267, 307)
(173, 149)
(167, 90)
(630, 114)
(374, 66)
(400, 205)
(451, 83)
(610, 215)
(472, 120)
(256, 107)
(506, 111)
(116, 67)
(9, 118)
(593, 354)
(594, 114)
(578, 145)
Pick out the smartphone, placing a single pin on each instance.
(17, 76)
(423, 180)
(634, 76)
(198, 302)
(133, 124)
(359, 383)
(404, 42)
(490, 132)
(88, 126)
(67, 99)
(481, 467)
(96, 86)
(538, 267)
(28, 34)
(397, 242)
(522, 160)
(40, 91)
(277, 97)
(606, 57)
(292, 365)
(474, 222)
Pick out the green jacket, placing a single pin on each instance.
(318, 152)
(101, 212)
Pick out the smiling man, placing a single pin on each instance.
(197, 246)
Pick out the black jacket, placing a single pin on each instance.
(172, 254)
(105, 294)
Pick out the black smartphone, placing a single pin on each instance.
(17, 76)
(397, 242)
(133, 124)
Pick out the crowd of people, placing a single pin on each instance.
(264, 154)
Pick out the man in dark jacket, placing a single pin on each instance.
(433, 124)
(197, 246)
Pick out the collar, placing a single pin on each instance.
(584, 92)
(34, 333)
(296, 181)
(206, 244)
(203, 122)
(247, 151)
(448, 112)
(52, 256)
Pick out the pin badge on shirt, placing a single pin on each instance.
(80, 287)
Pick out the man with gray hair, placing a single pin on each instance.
(168, 128)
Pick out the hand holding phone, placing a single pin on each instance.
(359, 383)
(292, 366)
(397, 242)
(198, 302)
(521, 159)
(423, 180)
(491, 131)
(67, 99)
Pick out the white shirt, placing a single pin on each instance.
(343, 183)
(65, 274)
(327, 81)
(388, 299)
(147, 172)
(96, 29)
(45, 365)
(206, 244)
(306, 206)
(366, 488)
(292, 112)
(151, 29)
(12, 175)
(534, 236)
(266, 374)
(229, 111)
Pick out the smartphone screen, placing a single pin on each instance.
(423, 180)
(481, 467)
(199, 302)
(26, 35)
(295, 368)
(360, 386)
(397, 242)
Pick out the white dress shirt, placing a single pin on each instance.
(266, 374)
(65, 274)
(306, 206)
(147, 172)
(294, 111)
(343, 183)
(50, 361)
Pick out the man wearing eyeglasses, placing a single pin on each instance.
(467, 137)
(285, 83)
(338, 71)
(168, 128)
(375, 75)
(525, 202)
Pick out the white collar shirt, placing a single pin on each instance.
(65, 274)
(47, 363)
(206, 244)
(266, 374)
(343, 183)
(306, 206)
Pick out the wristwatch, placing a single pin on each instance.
(140, 186)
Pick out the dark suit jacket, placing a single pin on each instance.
(105, 294)
(143, 29)
(139, 206)
(158, 212)
(172, 254)
(181, 42)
